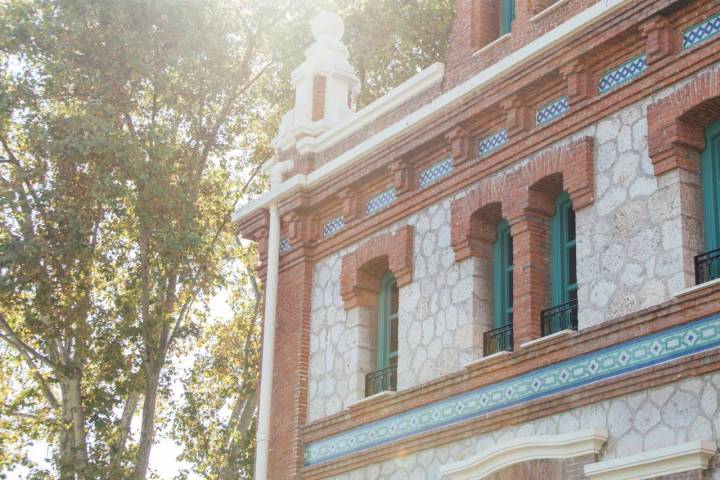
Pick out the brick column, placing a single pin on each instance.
(292, 347)
(484, 22)
(531, 276)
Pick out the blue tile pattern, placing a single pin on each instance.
(333, 226)
(552, 111)
(285, 245)
(435, 172)
(701, 32)
(380, 201)
(623, 74)
(491, 143)
(636, 354)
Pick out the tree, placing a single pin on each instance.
(119, 134)
(128, 133)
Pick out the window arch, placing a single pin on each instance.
(507, 15)
(503, 276)
(707, 265)
(387, 324)
(563, 268)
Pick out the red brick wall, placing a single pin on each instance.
(289, 398)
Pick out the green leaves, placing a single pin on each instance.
(129, 132)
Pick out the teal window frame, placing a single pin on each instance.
(563, 255)
(502, 276)
(387, 332)
(710, 181)
(507, 15)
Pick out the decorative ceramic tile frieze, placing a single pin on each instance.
(552, 111)
(701, 32)
(435, 172)
(285, 245)
(639, 353)
(333, 226)
(623, 74)
(380, 201)
(491, 143)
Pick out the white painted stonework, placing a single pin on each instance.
(525, 449)
(662, 417)
(685, 457)
(635, 246)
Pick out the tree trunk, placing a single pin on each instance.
(240, 428)
(73, 443)
(147, 430)
(123, 432)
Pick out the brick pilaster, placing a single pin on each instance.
(531, 276)
(580, 85)
(660, 41)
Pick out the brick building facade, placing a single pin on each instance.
(507, 267)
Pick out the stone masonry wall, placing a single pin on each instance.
(661, 417)
(635, 246)
(436, 331)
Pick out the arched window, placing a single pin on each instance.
(501, 337)
(708, 265)
(507, 15)
(386, 345)
(563, 314)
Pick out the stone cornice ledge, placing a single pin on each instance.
(524, 449)
(685, 457)
(439, 105)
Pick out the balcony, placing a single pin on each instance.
(707, 266)
(498, 340)
(562, 317)
(381, 380)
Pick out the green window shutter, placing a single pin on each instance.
(507, 15)
(563, 260)
(502, 276)
(387, 332)
(710, 179)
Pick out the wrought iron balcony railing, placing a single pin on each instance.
(562, 317)
(498, 340)
(381, 380)
(707, 266)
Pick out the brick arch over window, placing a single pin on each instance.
(363, 269)
(518, 191)
(676, 124)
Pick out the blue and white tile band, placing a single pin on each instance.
(380, 201)
(491, 143)
(701, 32)
(435, 172)
(285, 245)
(333, 226)
(623, 74)
(637, 354)
(552, 111)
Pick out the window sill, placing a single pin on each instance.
(695, 288)
(493, 43)
(372, 398)
(494, 356)
(547, 338)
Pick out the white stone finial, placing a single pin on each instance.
(327, 27)
(325, 85)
